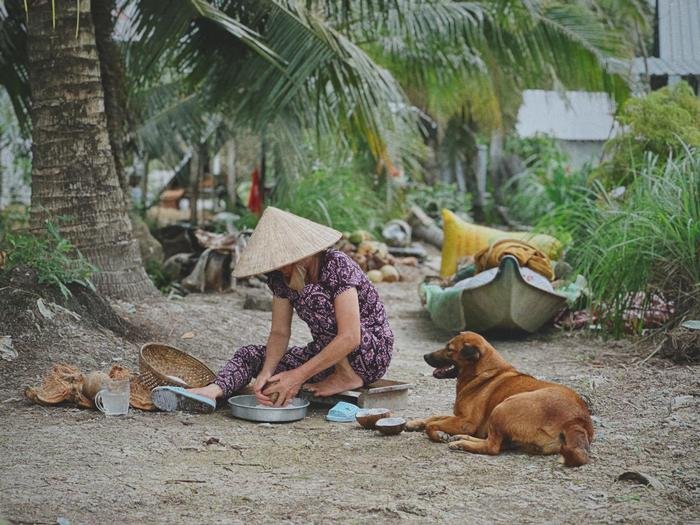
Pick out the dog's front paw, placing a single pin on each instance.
(456, 445)
(415, 425)
(443, 436)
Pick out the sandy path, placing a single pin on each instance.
(62, 462)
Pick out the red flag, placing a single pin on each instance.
(255, 195)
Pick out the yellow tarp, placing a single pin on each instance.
(463, 238)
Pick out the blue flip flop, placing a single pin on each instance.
(342, 412)
(172, 398)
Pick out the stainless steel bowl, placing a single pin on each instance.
(247, 407)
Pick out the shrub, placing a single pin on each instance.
(547, 182)
(54, 258)
(342, 199)
(432, 198)
(247, 220)
(158, 277)
(13, 218)
(663, 123)
(648, 241)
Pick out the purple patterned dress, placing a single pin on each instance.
(314, 305)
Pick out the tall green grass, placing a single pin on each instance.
(341, 198)
(646, 241)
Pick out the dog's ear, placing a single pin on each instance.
(470, 353)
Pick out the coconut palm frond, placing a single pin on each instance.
(567, 44)
(324, 64)
(629, 16)
(533, 43)
(170, 120)
(320, 79)
(330, 82)
(429, 37)
(162, 29)
(410, 19)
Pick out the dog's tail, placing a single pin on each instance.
(575, 439)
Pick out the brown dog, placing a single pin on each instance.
(497, 406)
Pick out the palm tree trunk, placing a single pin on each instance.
(113, 84)
(195, 170)
(231, 182)
(144, 185)
(74, 180)
(3, 145)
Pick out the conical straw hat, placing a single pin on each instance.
(282, 238)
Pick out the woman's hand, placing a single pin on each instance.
(286, 384)
(260, 383)
(276, 346)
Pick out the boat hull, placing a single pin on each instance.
(509, 303)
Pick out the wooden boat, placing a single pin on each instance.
(508, 303)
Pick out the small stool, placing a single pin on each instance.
(384, 393)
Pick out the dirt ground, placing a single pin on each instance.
(78, 465)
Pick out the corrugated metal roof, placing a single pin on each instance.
(679, 40)
(660, 66)
(573, 115)
(679, 31)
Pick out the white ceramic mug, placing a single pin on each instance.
(114, 399)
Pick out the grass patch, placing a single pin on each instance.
(55, 259)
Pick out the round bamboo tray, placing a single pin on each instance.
(164, 365)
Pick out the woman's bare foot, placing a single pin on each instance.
(344, 378)
(212, 391)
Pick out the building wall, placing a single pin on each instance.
(570, 116)
(12, 187)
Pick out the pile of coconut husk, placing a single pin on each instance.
(682, 344)
(373, 257)
(67, 384)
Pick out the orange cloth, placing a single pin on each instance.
(463, 238)
(526, 254)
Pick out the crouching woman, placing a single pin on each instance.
(351, 339)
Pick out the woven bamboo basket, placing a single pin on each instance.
(164, 365)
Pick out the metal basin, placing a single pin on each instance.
(247, 407)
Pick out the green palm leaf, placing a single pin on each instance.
(325, 82)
